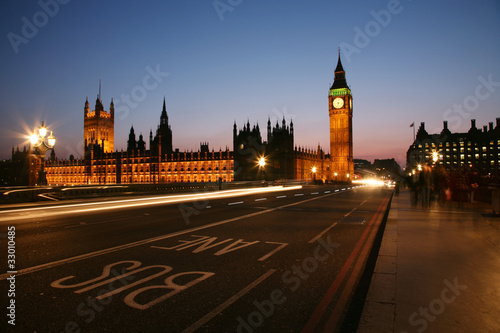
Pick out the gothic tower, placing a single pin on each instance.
(340, 111)
(162, 143)
(166, 131)
(99, 125)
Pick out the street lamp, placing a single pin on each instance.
(435, 156)
(262, 162)
(41, 147)
(262, 165)
(314, 173)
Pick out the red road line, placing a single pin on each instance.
(336, 314)
(332, 291)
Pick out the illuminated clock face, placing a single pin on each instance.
(350, 103)
(338, 103)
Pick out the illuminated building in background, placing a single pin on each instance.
(283, 160)
(340, 111)
(99, 125)
(252, 158)
(477, 150)
(158, 164)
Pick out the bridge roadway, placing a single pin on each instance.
(286, 259)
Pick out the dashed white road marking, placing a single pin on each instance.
(260, 199)
(280, 196)
(235, 203)
(328, 191)
(299, 194)
(314, 193)
(322, 233)
(350, 212)
(86, 224)
(209, 316)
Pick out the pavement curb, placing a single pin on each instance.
(380, 305)
(354, 313)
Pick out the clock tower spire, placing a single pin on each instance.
(340, 112)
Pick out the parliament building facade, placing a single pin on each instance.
(158, 162)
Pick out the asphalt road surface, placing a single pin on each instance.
(283, 260)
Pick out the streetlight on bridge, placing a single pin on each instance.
(262, 165)
(40, 147)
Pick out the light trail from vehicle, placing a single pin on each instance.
(46, 211)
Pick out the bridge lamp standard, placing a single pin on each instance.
(261, 162)
(40, 147)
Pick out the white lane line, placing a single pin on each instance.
(322, 233)
(343, 189)
(273, 251)
(208, 207)
(366, 200)
(47, 197)
(209, 316)
(327, 191)
(314, 193)
(331, 226)
(260, 199)
(280, 196)
(299, 194)
(235, 203)
(87, 224)
(350, 212)
(149, 240)
(336, 190)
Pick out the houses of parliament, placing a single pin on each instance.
(156, 161)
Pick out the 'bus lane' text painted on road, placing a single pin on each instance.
(135, 270)
(204, 243)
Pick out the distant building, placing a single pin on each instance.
(279, 156)
(361, 164)
(22, 169)
(99, 125)
(387, 168)
(158, 164)
(340, 111)
(282, 159)
(477, 150)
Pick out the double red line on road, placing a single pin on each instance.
(355, 263)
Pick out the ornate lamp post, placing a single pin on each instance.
(262, 165)
(314, 173)
(40, 147)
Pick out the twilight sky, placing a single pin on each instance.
(226, 60)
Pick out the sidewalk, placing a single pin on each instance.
(438, 270)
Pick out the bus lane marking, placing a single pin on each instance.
(273, 251)
(134, 269)
(203, 243)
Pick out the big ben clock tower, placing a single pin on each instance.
(340, 111)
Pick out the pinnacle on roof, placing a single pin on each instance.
(339, 67)
(339, 81)
(164, 110)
